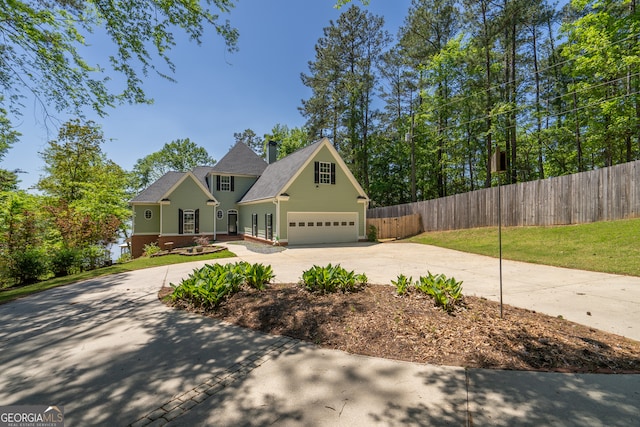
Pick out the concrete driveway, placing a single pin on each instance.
(112, 355)
(604, 301)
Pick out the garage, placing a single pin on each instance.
(306, 228)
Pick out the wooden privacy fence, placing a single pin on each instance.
(398, 227)
(599, 195)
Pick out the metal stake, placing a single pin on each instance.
(500, 239)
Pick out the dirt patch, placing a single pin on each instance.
(376, 322)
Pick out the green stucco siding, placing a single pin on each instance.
(229, 200)
(188, 195)
(306, 196)
(261, 209)
(142, 225)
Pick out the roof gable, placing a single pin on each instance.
(155, 192)
(240, 160)
(166, 184)
(187, 175)
(278, 176)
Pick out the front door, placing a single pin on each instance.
(232, 223)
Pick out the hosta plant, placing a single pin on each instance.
(402, 284)
(331, 279)
(446, 292)
(258, 275)
(209, 286)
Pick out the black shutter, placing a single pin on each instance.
(268, 226)
(217, 182)
(180, 221)
(333, 173)
(316, 176)
(197, 215)
(232, 183)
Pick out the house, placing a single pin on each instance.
(307, 197)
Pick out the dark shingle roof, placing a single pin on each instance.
(240, 160)
(155, 191)
(278, 174)
(201, 173)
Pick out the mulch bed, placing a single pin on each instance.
(376, 322)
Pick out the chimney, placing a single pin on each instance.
(272, 152)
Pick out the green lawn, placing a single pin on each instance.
(611, 247)
(137, 264)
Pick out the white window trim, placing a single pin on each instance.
(225, 183)
(324, 175)
(192, 224)
(150, 214)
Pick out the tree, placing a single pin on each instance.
(289, 140)
(604, 50)
(70, 160)
(180, 155)
(22, 231)
(252, 140)
(43, 40)
(343, 80)
(430, 25)
(8, 180)
(87, 193)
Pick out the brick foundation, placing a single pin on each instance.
(138, 242)
(180, 241)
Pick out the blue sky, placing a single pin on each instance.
(216, 93)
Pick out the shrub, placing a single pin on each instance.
(402, 284)
(212, 284)
(201, 240)
(66, 261)
(446, 292)
(25, 267)
(150, 249)
(95, 256)
(372, 233)
(124, 258)
(258, 275)
(331, 279)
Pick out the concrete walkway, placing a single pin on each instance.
(112, 355)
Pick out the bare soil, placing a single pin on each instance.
(376, 322)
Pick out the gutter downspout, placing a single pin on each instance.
(277, 203)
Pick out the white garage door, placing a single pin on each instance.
(306, 228)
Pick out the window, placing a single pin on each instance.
(254, 225)
(324, 173)
(301, 224)
(224, 183)
(319, 223)
(148, 214)
(220, 214)
(328, 224)
(189, 221)
(292, 224)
